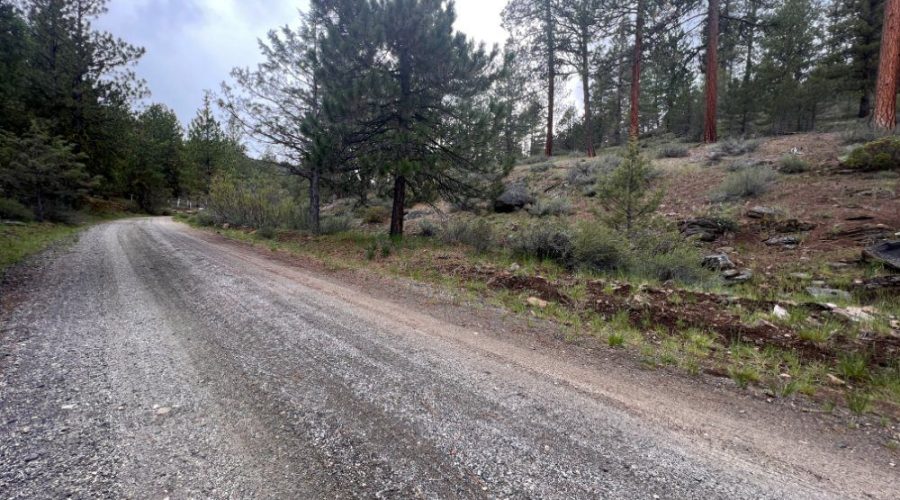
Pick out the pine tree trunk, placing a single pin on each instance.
(588, 118)
(399, 203)
(635, 128)
(748, 67)
(314, 202)
(551, 94)
(712, 73)
(551, 77)
(865, 104)
(885, 116)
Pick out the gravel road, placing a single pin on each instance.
(150, 360)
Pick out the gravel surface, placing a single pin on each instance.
(151, 360)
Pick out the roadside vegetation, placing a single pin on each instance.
(384, 139)
(22, 236)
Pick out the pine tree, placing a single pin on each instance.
(710, 132)
(580, 22)
(791, 49)
(207, 148)
(43, 172)
(885, 117)
(155, 172)
(280, 103)
(626, 194)
(426, 115)
(75, 73)
(518, 105)
(854, 42)
(15, 46)
(534, 23)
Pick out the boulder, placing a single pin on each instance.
(704, 228)
(827, 293)
(791, 226)
(881, 283)
(513, 198)
(864, 233)
(717, 262)
(787, 241)
(536, 302)
(760, 212)
(735, 276)
(886, 252)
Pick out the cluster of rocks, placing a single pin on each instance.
(729, 271)
(704, 228)
(782, 232)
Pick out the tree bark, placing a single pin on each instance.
(551, 79)
(586, 90)
(712, 73)
(314, 202)
(865, 104)
(748, 67)
(634, 130)
(885, 116)
(399, 203)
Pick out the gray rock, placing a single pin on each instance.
(887, 253)
(828, 293)
(514, 198)
(760, 212)
(734, 276)
(787, 241)
(717, 262)
(704, 228)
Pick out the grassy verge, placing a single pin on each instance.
(844, 378)
(20, 241)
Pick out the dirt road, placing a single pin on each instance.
(150, 360)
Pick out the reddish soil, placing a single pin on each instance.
(846, 208)
(673, 310)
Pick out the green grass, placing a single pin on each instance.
(18, 242)
(688, 349)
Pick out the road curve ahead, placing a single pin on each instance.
(151, 360)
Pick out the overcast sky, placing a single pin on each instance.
(192, 45)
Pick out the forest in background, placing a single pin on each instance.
(386, 100)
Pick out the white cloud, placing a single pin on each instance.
(192, 45)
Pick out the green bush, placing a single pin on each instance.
(531, 160)
(539, 168)
(553, 206)
(859, 134)
(745, 183)
(792, 164)
(13, 210)
(266, 233)
(205, 219)
(427, 228)
(544, 241)
(376, 215)
(743, 164)
(254, 202)
(881, 154)
(737, 147)
(476, 233)
(674, 151)
(334, 224)
(596, 247)
(663, 254)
